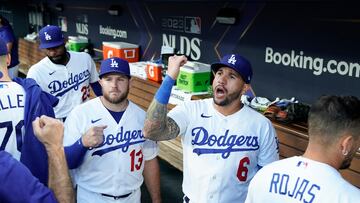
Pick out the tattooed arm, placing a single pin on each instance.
(157, 125)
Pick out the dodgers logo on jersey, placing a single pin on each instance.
(223, 144)
(58, 88)
(124, 140)
(232, 59)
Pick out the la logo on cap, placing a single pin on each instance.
(114, 64)
(232, 59)
(47, 36)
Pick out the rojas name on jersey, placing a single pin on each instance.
(124, 139)
(223, 144)
(58, 88)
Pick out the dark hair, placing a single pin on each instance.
(330, 116)
(3, 21)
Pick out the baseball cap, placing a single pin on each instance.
(114, 65)
(50, 36)
(3, 48)
(236, 62)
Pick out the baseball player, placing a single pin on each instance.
(21, 101)
(224, 142)
(12, 99)
(334, 137)
(64, 74)
(19, 185)
(110, 143)
(7, 35)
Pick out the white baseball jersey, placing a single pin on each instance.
(12, 102)
(298, 179)
(70, 83)
(116, 166)
(222, 153)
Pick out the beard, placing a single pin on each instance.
(228, 99)
(61, 59)
(347, 161)
(116, 99)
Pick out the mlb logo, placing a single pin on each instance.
(193, 25)
(2, 86)
(302, 164)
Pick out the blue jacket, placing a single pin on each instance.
(37, 103)
(18, 184)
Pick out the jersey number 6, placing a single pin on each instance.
(243, 170)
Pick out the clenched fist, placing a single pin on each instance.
(174, 64)
(49, 131)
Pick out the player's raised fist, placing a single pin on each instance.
(174, 64)
(94, 136)
(49, 131)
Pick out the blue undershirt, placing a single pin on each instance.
(96, 87)
(164, 91)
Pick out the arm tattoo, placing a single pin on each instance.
(157, 125)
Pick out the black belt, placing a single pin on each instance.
(116, 197)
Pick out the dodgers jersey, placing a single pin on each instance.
(70, 83)
(298, 179)
(115, 167)
(12, 102)
(222, 153)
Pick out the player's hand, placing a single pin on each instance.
(49, 131)
(174, 64)
(94, 136)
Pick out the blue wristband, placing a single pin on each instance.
(163, 93)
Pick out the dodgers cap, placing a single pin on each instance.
(114, 65)
(50, 36)
(236, 62)
(3, 48)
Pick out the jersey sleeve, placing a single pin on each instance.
(180, 114)
(32, 73)
(72, 131)
(18, 184)
(94, 75)
(150, 149)
(269, 149)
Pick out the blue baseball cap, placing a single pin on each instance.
(114, 65)
(236, 62)
(3, 48)
(50, 36)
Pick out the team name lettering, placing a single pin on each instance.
(301, 189)
(224, 144)
(59, 88)
(124, 140)
(8, 102)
